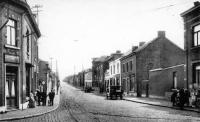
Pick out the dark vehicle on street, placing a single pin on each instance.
(88, 87)
(114, 92)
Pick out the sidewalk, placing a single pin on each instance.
(30, 112)
(158, 102)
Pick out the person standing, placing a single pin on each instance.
(44, 97)
(51, 97)
(31, 100)
(182, 98)
(173, 97)
(187, 97)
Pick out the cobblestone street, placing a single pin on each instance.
(75, 105)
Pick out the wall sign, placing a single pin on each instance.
(11, 58)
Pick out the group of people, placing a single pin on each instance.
(180, 97)
(40, 98)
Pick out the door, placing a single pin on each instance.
(27, 80)
(11, 87)
(174, 80)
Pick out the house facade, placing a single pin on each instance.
(99, 67)
(159, 63)
(19, 34)
(191, 20)
(128, 71)
(113, 74)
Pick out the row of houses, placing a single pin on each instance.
(154, 67)
(20, 68)
(143, 68)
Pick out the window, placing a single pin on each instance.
(11, 32)
(117, 67)
(196, 38)
(174, 80)
(28, 40)
(123, 67)
(113, 69)
(131, 65)
(127, 67)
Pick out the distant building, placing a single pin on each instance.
(99, 66)
(113, 74)
(44, 76)
(18, 54)
(88, 78)
(191, 20)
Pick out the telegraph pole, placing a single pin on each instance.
(37, 7)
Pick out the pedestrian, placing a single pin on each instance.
(31, 100)
(182, 98)
(173, 97)
(187, 97)
(38, 94)
(44, 97)
(51, 97)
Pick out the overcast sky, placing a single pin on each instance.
(75, 31)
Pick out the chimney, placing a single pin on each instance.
(161, 33)
(196, 3)
(134, 48)
(141, 43)
(118, 51)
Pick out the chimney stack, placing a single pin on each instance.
(141, 43)
(161, 33)
(196, 3)
(118, 51)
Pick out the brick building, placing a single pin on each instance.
(18, 53)
(153, 64)
(128, 71)
(191, 20)
(99, 66)
(159, 63)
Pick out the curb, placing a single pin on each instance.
(185, 109)
(29, 116)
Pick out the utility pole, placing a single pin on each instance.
(51, 63)
(37, 7)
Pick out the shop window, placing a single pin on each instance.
(197, 74)
(196, 35)
(11, 32)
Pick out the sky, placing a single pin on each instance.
(75, 31)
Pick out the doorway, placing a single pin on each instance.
(11, 86)
(28, 81)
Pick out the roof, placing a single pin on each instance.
(196, 5)
(29, 13)
(145, 45)
(101, 59)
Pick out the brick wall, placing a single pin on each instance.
(161, 81)
(148, 58)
